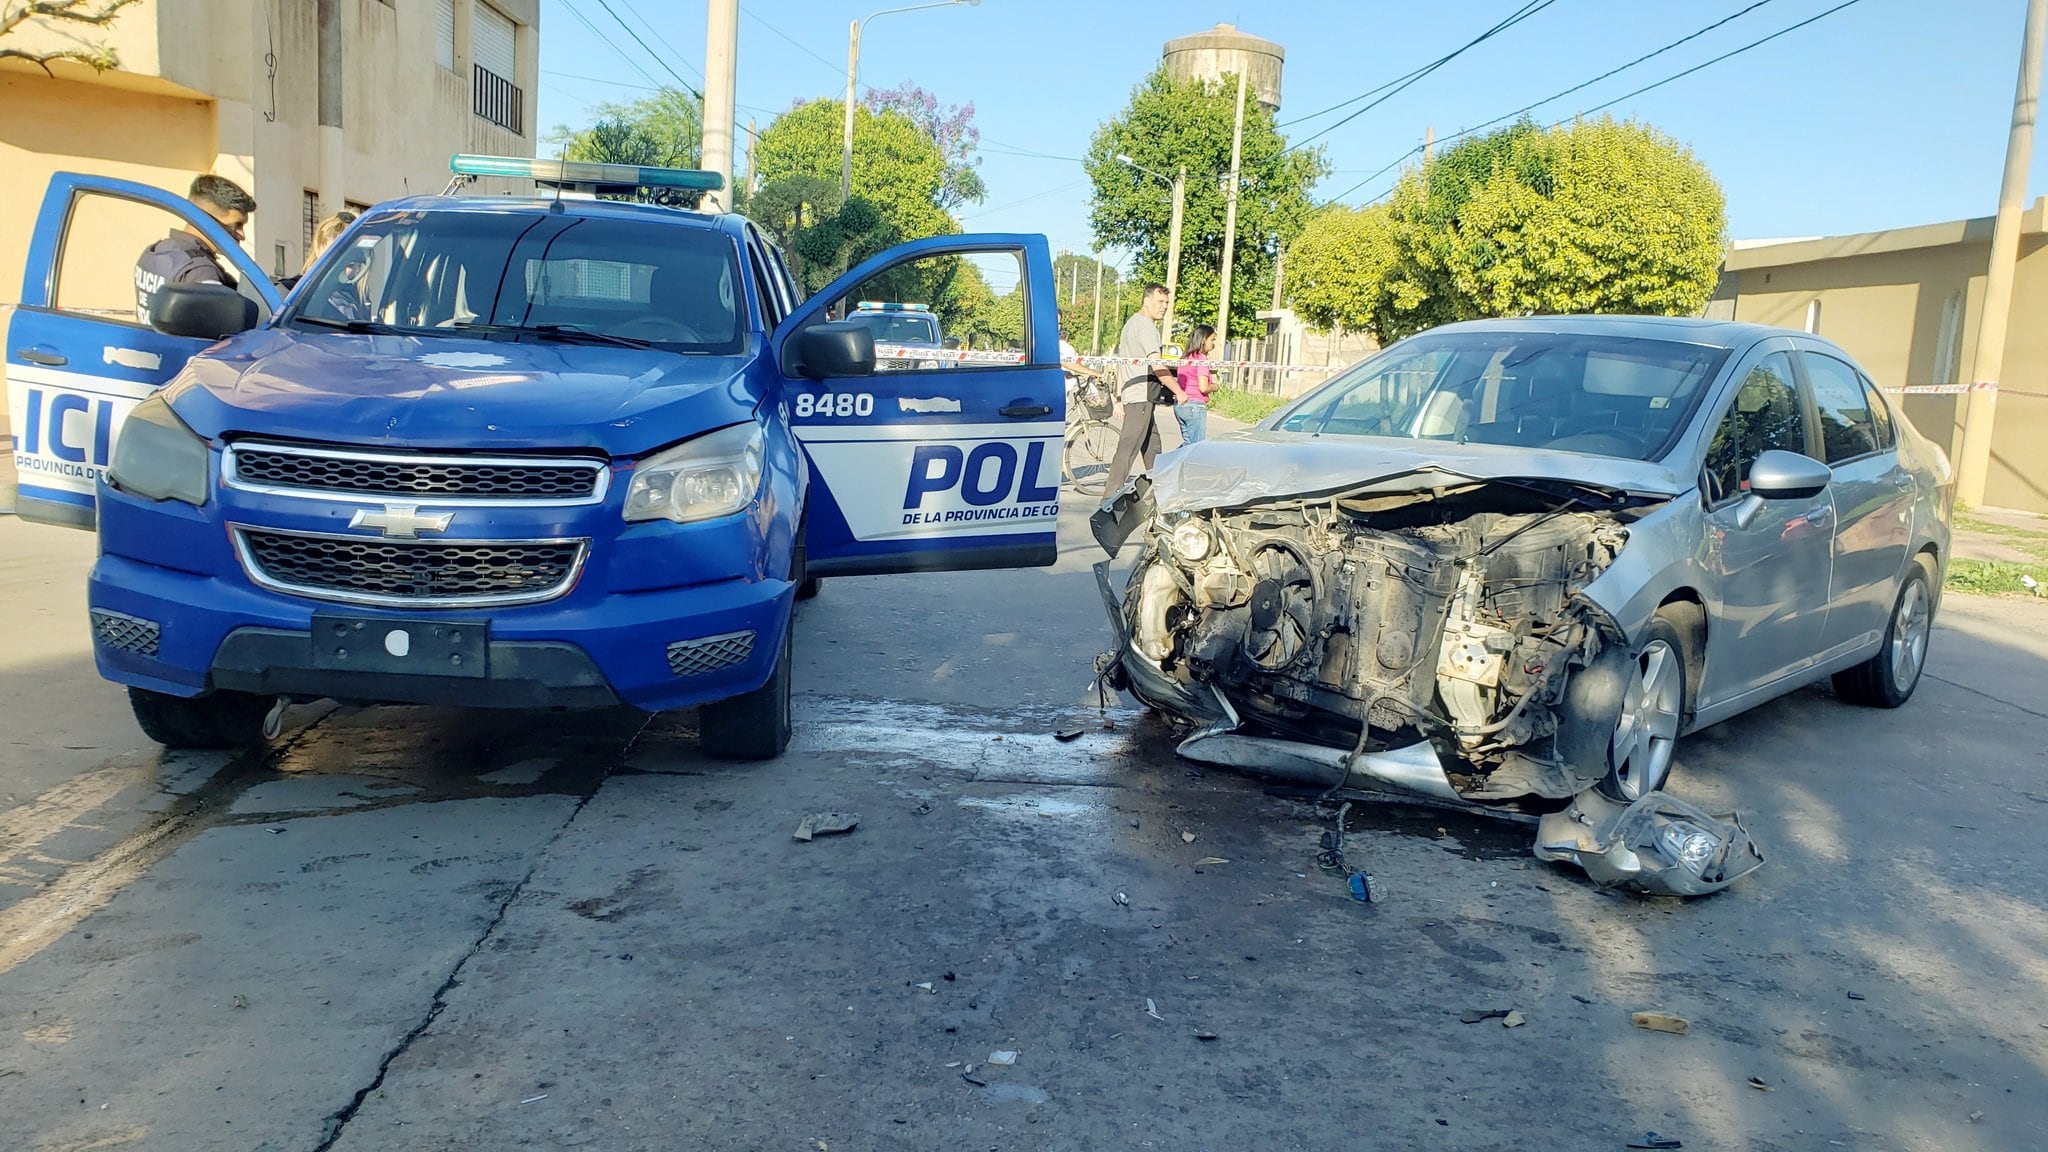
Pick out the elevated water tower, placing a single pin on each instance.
(1208, 56)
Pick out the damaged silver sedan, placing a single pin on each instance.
(1509, 563)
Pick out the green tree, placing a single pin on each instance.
(1171, 122)
(1074, 276)
(896, 166)
(665, 130)
(1337, 268)
(1595, 216)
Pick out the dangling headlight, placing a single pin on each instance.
(1191, 540)
(714, 475)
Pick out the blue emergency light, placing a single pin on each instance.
(583, 175)
(878, 306)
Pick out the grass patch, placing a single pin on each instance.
(1246, 407)
(2028, 540)
(1996, 577)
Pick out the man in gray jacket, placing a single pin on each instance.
(185, 257)
(1139, 437)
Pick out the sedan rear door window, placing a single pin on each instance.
(1847, 429)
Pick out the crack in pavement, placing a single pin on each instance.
(337, 1122)
(1986, 695)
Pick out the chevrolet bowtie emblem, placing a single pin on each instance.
(402, 520)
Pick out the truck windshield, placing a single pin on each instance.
(556, 276)
(1573, 392)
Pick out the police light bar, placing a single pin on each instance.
(580, 173)
(878, 306)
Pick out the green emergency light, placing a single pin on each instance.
(584, 176)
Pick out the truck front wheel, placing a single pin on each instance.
(215, 720)
(754, 726)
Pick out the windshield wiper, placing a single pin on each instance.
(369, 327)
(566, 333)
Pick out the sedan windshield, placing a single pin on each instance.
(557, 277)
(1599, 394)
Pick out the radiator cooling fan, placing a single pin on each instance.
(1282, 608)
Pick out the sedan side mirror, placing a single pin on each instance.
(837, 348)
(205, 311)
(1782, 475)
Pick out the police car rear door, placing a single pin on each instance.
(78, 359)
(948, 455)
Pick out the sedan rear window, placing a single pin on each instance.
(668, 286)
(1571, 392)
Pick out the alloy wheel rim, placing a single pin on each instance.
(1646, 733)
(1910, 624)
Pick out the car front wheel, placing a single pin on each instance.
(1887, 679)
(215, 720)
(756, 725)
(1652, 712)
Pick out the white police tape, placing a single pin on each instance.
(1941, 389)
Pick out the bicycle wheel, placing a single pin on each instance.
(1091, 445)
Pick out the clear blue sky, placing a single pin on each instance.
(1887, 113)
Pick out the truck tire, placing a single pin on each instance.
(753, 726)
(215, 720)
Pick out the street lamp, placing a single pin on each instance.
(1180, 189)
(852, 74)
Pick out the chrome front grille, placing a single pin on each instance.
(410, 573)
(128, 633)
(327, 471)
(709, 654)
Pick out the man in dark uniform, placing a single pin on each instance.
(185, 257)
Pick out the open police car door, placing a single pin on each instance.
(78, 356)
(947, 454)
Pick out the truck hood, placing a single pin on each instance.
(1258, 465)
(445, 393)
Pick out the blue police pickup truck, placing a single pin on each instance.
(538, 452)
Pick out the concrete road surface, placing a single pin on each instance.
(422, 929)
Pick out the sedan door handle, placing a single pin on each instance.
(1027, 411)
(46, 359)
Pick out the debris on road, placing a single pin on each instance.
(971, 1078)
(534, 1099)
(1513, 1020)
(1477, 1015)
(1210, 860)
(1661, 1022)
(1652, 1140)
(954, 1064)
(1855, 995)
(1004, 1058)
(1757, 1083)
(1361, 887)
(1660, 844)
(1068, 735)
(825, 824)
(1205, 1035)
(1187, 837)
(239, 1001)
(927, 986)
(1582, 999)
(1152, 1009)
(1976, 1116)
(1122, 899)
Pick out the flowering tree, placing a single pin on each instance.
(951, 127)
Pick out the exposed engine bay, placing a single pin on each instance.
(1375, 622)
(1434, 641)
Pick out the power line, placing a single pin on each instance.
(1517, 16)
(662, 40)
(1611, 103)
(1026, 200)
(609, 43)
(621, 21)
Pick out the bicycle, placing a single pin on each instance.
(1091, 436)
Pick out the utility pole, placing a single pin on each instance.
(1095, 341)
(1180, 198)
(1428, 150)
(748, 183)
(846, 139)
(1981, 404)
(721, 60)
(1230, 216)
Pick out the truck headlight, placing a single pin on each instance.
(714, 475)
(157, 457)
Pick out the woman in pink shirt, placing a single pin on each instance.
(1193, 410)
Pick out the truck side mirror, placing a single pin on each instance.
(205, 311)
(837, 348)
